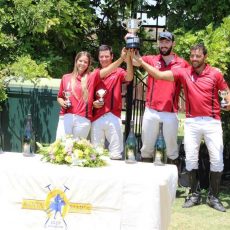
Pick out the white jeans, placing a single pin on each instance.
(211, 130)
(108, 126)
(60, 133)
(76, 125)
(150, 130)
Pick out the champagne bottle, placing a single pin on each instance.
(131, 145)
(160, 148)
(28, 140)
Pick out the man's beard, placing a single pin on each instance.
(197, 65)
(166, 52)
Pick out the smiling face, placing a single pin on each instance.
(165, 46)
(105, 58)
(197, 58)
(82, 64)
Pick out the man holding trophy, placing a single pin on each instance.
(76, 94)
(108, 104)
(161, 100)
(202, 85)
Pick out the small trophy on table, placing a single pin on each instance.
(132, 25)
(67, 95)
(223, 94)
(101, 93)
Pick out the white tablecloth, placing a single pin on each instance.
(123, 196)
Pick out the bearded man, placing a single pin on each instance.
(161, 101)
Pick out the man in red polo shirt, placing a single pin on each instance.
(161, 101)
(201, 84)
(106, 116)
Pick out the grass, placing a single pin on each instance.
(200, 217)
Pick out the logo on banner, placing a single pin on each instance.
(57, 206)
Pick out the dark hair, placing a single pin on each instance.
(104, 48)
(199, 46)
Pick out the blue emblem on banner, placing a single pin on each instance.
(56, 206)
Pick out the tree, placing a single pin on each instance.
(39, 38)
(189, 14)
(218, 52)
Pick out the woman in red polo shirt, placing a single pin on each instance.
(76, 108)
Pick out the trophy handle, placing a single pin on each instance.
(124, 23)
(139, 23)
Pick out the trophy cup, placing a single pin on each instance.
(223, 94)
(101, 93)
(132, 26)
(67, 95)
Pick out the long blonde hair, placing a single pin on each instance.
(84, 79)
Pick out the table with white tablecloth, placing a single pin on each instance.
(119, 196)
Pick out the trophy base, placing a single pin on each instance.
(133, 42)
(224, 105)
(133, 46)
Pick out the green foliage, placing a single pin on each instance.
(190, 14)
(3, 95)
(218, 52)
(28, 68)
(39, 38)
(49, 31)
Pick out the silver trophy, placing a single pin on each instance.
(223, 94)
(132, 25)
(101, 93)
(67, 95)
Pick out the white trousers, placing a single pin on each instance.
(108, 126)
(76, 125)
(60, 133)
(150, 130)
(195, 129)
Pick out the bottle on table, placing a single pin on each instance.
(131, 145)
(28, 140)
(160, 156)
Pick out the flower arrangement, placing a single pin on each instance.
(73, 152)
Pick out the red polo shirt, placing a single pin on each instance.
(79, 106)
(112, 99)
(163, 95)
(201, 91)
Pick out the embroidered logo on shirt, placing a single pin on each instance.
(158, 65)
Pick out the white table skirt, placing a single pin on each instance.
(123, 196)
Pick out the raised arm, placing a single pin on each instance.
(129, 56)
(107, 70)
(152, 71)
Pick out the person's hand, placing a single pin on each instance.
(97, 104)
(130, 54)
(62, 103)
(124, 53)
(136, 56)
